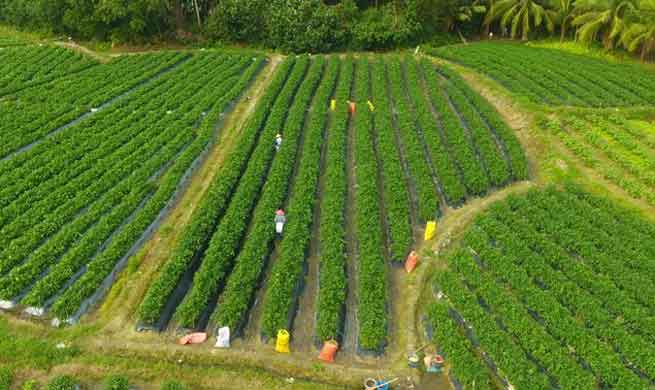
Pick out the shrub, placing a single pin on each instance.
(63, 382)
(117, 383)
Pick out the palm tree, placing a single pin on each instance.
(522, 14)
(604, 17)
(639, 32)
(562, 14)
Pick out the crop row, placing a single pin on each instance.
(332, 269)
(636, 317)
(527, 332)
(45, 160)
(284, 281)
(226, 241)
(372, 286)
(541, 267)
(212, 101)
(428, 198)
(36, 115)
(537, 74)
(204, 221)
(22, 66)
(394, 184)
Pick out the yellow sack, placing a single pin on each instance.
(282, 341)
(430, 230)
(370, 105)
(333, 105)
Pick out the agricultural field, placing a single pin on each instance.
(138, 197)
(78, 198)
(618, 149)
(549, 289)
(554, 77)
(395, 163)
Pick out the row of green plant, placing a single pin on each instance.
(201, 120)
(226, 241)
(395, 194)
(22, 66)
(372, 285)
(537, 74)
(204, 221)
(30, 114)
(66, 382)
(240, 288)
(538, 281)
(285, 279)
(331, 300)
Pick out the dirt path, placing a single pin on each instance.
(127, 293)
(84, 50)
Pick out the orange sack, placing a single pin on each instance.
(329, 350)
(193, 338)
(411, 262)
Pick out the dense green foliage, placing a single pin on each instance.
(63, 382)
(539, 75)
(128, 159)
(279, 302)
(620, 150)
(537, 288)
(117, 382)
(195, 239)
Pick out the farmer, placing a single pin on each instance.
(280, 220)
(278, 141)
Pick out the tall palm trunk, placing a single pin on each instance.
(562, 31)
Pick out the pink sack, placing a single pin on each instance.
(193, 338)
